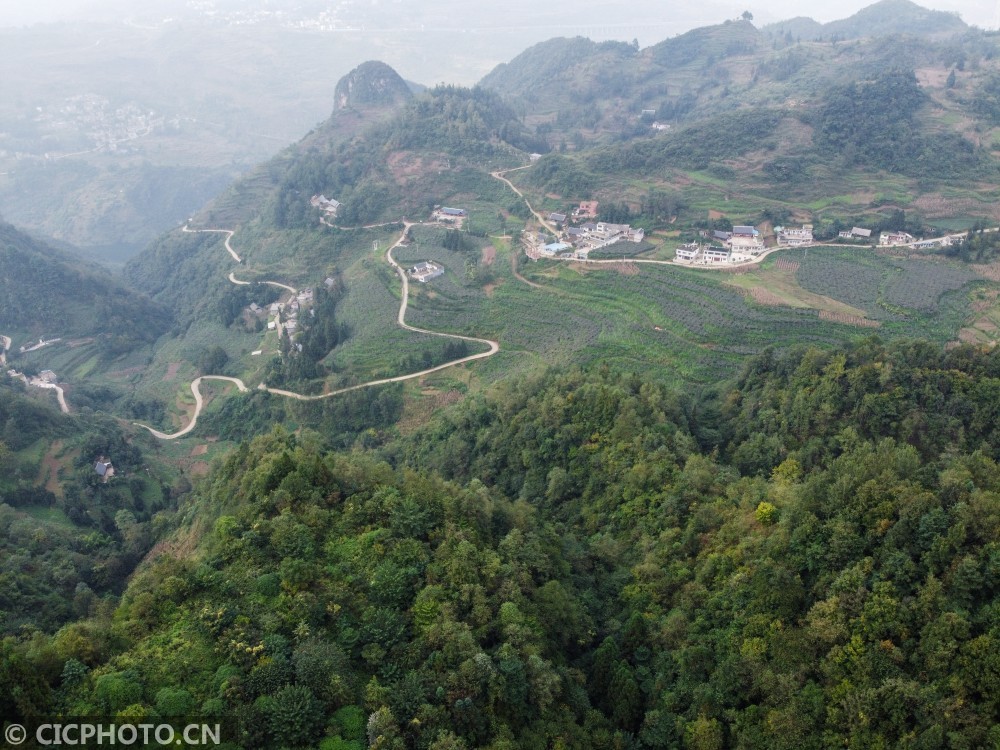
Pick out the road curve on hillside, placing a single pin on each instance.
(500, 174)
(198, 404)
(229, 235)
(234, 280)
(493, 347)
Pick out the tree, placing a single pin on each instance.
(747, 16)
(296, 715)
(212, 361)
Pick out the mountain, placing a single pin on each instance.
(553, 62)
(534, 499)
(46, 292)
(371, 83)
(713, 43)
(884, 18)
(880, 133)
(803, 559)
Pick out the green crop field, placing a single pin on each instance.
(692, 323)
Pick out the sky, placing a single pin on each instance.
(982, 13)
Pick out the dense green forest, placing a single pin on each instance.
(874, 125)
(806, 558)
(803, 555)
(66, 545)
(45, 292)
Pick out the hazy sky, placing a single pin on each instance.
(982, 13)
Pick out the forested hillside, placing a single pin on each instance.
(884, 18)
(679, 508)
(805, 559)
(69, 539)
(45, 292)
(439, 125)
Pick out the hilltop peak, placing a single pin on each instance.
(371, 83)
(883, 18)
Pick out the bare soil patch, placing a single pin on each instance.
(934, 77)
(489, 255)
(986, 301)
(765, 297)
(936, 205)
(171, 372)
(851, 320)
(49, 470)
(404, 164)
(968, 336)
(200, 450)
(713, 214)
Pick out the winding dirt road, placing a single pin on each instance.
(229, 235)
(199, 403)
(5, 343)
(500, 174)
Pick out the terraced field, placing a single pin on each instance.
(689, 323)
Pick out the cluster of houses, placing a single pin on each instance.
(898, 239)
(742, 244)
(284, 316)
(324, 204)
(745, 243)
(578, 241)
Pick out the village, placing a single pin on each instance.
(577, 242)
(578, 235)
(283, 317)
(745, 243)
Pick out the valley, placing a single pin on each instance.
(631, 398)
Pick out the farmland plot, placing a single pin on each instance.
(919, 284)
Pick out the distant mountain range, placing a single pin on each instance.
(884, 18)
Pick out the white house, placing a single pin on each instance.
(746, 244)
(688, 253)
(717, 254)
(888, 239)
(788, 237)
(426, 270)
